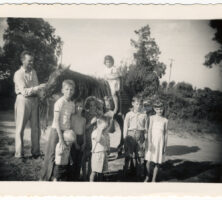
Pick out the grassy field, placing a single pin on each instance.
(193, 154)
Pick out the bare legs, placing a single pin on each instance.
(147, 166)
(155, 172)
(115, 100)
(92, 177)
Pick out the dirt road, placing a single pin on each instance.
(189, 158)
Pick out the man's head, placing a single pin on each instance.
(26, 59)
(68, 88)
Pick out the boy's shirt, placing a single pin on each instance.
(66, 109)
(102, 145)
(135, 121)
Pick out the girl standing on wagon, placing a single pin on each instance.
(157, 141)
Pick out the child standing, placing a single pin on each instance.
(60, 172)
(78, 125)
(90, 116)
(115, 130)
(113, 78)
(135, 129)
(100, 147)
(157, 140)
(63, 109)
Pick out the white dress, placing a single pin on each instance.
(113, 83)
(155, 150)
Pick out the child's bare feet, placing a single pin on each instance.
(146, 179)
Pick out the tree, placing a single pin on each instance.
(171, 84)
(164, 85)
(184, 89)
(143, 75)
(36, 36)
(215, 57)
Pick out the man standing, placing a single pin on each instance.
(26, 105)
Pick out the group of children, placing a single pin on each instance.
(79, 137)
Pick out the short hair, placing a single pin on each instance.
(69, 83)
(137, 99)
(22, 55)
(110, 58)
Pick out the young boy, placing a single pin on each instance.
(100, 147)
(79, 126)
(63, 109)
(113, 78)
(60, 172)
(134, 132)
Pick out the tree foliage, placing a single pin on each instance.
(36, 36)
(183, 102)
(143, 75)
(215, 57)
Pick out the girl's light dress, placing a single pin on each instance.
(156, 145)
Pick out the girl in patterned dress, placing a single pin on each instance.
(100, 148)
(157, 141)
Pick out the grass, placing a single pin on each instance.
(200, 128)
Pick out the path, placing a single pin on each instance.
(188, 158)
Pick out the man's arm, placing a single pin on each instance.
(23, 88)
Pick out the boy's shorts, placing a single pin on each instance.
(134, 144)
(99, 162)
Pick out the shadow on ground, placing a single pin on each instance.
(12, 169)
(175, 150)
(188, 171)
(176, 171)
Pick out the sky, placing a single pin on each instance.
(87, 41)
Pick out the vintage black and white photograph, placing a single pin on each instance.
(110, 100)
